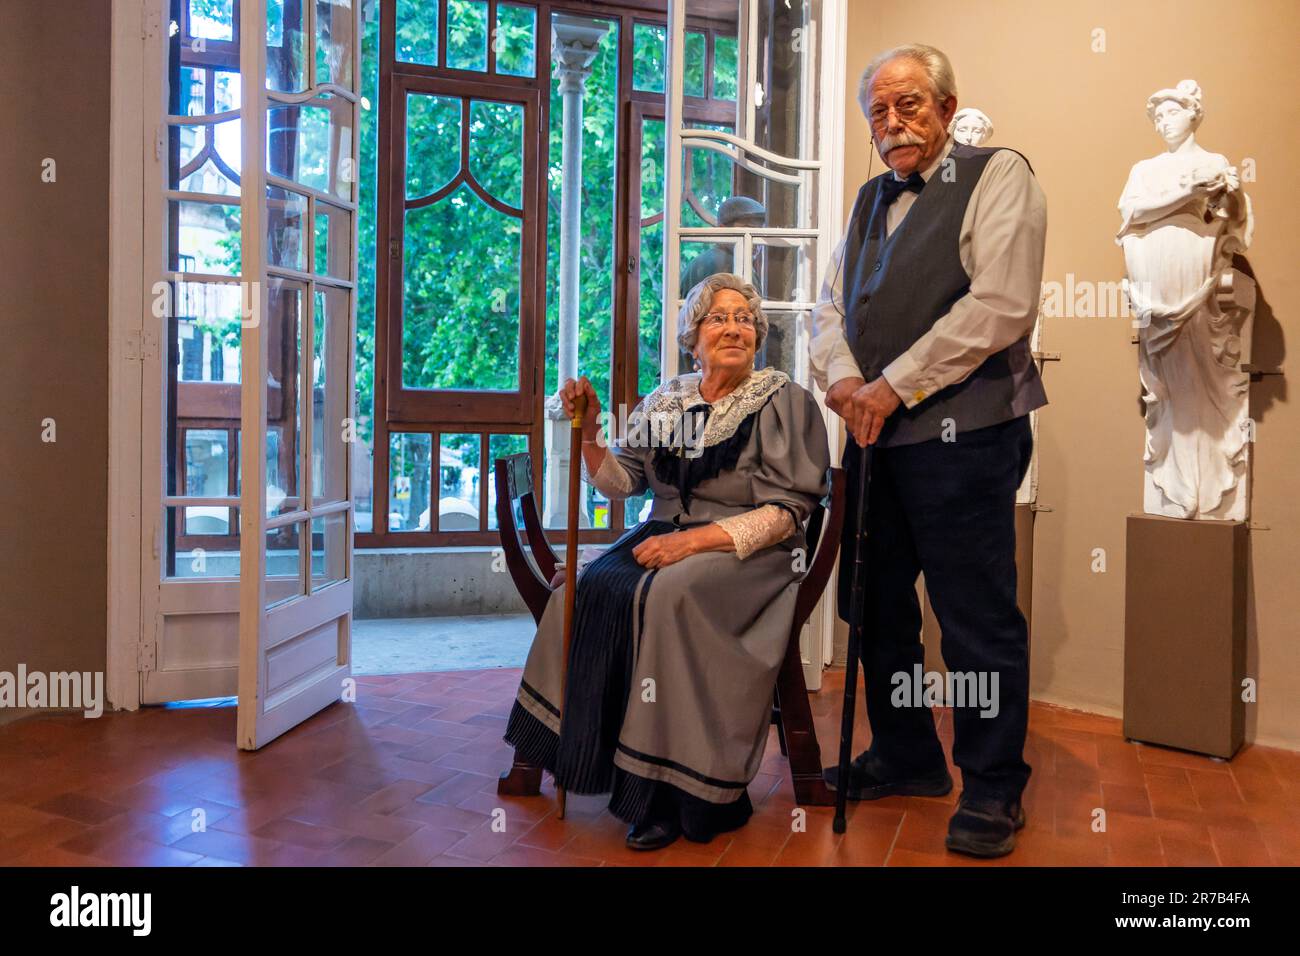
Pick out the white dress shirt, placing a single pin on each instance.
(1001, 246)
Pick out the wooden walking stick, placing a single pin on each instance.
(571, 552)
(856, 601)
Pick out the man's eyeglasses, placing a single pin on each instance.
(718, 319)
(907, 110)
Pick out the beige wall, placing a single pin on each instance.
(1079, 117)
(54, 363)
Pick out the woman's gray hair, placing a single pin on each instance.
(700, 299)
(937, 68)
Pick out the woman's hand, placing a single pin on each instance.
(569, 392)
(665, 549)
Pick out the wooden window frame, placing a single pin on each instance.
(397, 409)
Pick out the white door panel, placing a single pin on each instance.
(300, 147)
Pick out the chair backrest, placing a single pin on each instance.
(825, 525)
(514, 483)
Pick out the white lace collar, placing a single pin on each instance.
(683, 392)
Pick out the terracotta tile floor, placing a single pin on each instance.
(407, 777)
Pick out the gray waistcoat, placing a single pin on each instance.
(897, 287)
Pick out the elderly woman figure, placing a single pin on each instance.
(681, 625)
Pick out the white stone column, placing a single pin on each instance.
(575, 42)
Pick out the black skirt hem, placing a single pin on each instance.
(634, 799)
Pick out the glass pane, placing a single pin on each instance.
(499, 446)
(207, 158)
(652, 307)
(329, 550)
(432, 143)
(286, 45)
(709, 178)
(693, 81)
(209, 178)
(467, 29)
(496, 149)
(363, 450)
(333, 249)
(334, 42)
(601, 166)
(225, 96)
(417, 31)
(363, 470)
(312, 144)
(458, 482)
(283, 564)
(783, 269)
(699, 260)
(636, 510)
(652, 167)
(204, 542)
(788, 99)
(595, 507)
(202, 90)
(726, 68)
(212, 19)
(515, 40)
(330, 406)
(207, 237)
(460, 327)
(283, 415)
(207, 520)
(207, 332)
(778, 349)
(207, 466)
(191, 91)
(648, 48)
(409, 471)
(286, 214)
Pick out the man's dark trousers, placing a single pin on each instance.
(946, 509)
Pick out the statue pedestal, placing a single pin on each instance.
(1185, 633)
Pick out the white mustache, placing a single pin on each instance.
(901, 139)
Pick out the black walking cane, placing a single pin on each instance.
(856, 598)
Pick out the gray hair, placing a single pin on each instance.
(700, 299)
(942, 82)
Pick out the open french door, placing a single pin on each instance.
(298, 210)
(778, 147)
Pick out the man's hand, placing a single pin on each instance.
(864, 406)
(665, 549)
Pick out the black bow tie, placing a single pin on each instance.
(891, 187)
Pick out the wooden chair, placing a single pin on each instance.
(791, 711)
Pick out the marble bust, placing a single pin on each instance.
(970, 126)
(1184, 216)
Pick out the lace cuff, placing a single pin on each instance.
(611, 479)
(758, 529)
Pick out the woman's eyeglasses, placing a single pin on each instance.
(718, 319)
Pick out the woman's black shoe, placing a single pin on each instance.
(654, 835)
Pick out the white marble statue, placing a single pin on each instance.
(1184, 215)
(971, 127)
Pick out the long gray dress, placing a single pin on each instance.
(672, 670)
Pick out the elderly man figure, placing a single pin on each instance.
(921, 338)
